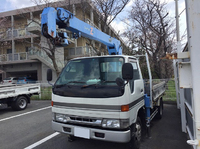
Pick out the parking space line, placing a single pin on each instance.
(4, 119)
(43, 140)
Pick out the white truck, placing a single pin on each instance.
(91, 100)
(102, 97)
(18, 96)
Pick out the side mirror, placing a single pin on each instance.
(127, 71)
(49, 75)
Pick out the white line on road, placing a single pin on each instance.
(42, 141)
(24, 113)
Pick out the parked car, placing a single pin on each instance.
(26, 80)
(10, 80)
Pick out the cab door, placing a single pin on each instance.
(136, 90)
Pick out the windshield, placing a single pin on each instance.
(91, 70)
(88, 73)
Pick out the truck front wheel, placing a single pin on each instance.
(20, 103)
(136, 135)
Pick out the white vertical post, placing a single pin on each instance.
(180, 92)
(176, 83)
(74, 9)
(91, 15)
(31, 18)
(13, 42)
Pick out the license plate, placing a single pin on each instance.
(82, 132)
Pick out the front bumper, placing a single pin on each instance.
(92, 133)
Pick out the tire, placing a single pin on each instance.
(136, 135)
(160, 110)
(20, 103)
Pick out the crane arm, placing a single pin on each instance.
(63, 19)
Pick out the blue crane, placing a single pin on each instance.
(63, 19)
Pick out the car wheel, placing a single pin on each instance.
(20, 104)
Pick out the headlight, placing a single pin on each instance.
(109, 123)
(61, 117)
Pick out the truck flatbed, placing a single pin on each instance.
(18, 96)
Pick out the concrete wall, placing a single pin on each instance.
(3, 49)
(21, 47)
(59, 55)
(21, 67)
(20, 22)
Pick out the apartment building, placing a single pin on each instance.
(21, 40)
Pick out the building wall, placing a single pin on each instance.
(21, 67)
(20, 22)
(21, 47)
(3, 49)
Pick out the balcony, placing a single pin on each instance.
(34, 26)
(17, 34)
(80, 52)
(14, 57)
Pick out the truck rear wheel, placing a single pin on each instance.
(20, 103)
(136, 135)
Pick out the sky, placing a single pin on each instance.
(117, 24)
(120, 26)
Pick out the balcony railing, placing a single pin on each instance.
(14, 57)
(81, 51)
(42, 54)
(17, 33)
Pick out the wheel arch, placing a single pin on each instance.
(23, 95)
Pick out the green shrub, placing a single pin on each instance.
(44, 95)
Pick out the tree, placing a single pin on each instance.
(152, 31)
(109, 9)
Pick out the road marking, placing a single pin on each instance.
(24, 114)
(42, 141)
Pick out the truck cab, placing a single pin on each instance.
(88, 102)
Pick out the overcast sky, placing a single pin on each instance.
(7, 5)
(118, 25)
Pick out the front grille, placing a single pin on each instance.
(85, 120)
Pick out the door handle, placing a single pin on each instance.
(141, 90)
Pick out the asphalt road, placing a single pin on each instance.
(31, 128)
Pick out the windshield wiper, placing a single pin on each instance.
(75, 82)
(62, 85)
(85, 86)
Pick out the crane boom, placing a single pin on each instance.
(63, 19)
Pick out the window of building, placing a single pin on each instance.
(9, 51)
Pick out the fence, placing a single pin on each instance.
(45, 94)
(170, 93)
